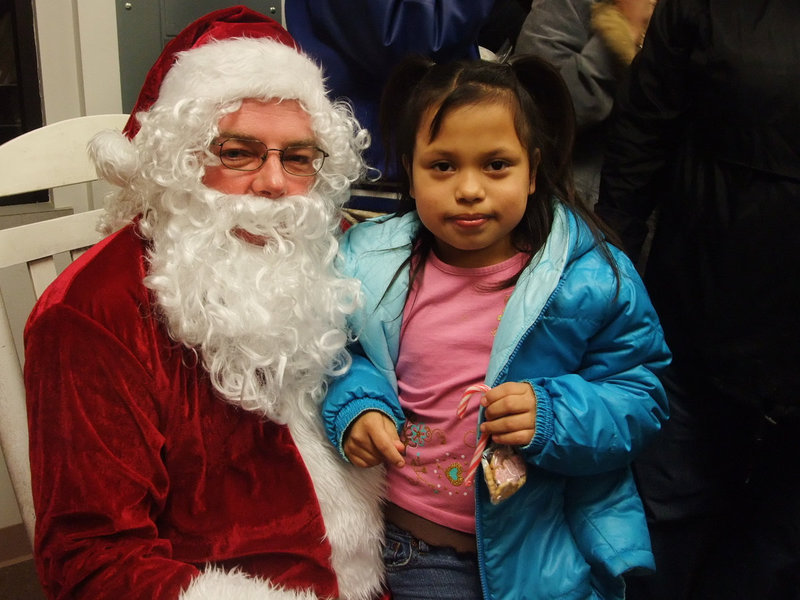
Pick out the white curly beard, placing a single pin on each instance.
(268, 321)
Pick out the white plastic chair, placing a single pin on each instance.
(52, 156)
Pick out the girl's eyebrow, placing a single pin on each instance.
(445, 153)
(435, 152)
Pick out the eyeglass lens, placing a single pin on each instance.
(249, 155)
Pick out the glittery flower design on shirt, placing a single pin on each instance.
(416, 434)
(442, 479)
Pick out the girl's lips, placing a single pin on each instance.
(469, 220)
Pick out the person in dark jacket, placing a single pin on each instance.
(591, 42)
(706, 136)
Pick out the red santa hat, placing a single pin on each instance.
(226, 23)
(227, 55)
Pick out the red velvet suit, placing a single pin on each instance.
(141, 475)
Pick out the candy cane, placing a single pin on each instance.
(461, 410)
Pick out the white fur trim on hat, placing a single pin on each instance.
(237, 68)
(114, 156)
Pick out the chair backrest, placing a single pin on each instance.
(52, 156)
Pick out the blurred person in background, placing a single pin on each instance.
(591, 43)
(706, 136)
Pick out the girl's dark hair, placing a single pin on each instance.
(544, 119)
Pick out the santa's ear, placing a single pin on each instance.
(114, 157)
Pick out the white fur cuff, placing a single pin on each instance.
(216, 584)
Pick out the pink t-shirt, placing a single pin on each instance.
(449, 323)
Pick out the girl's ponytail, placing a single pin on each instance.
(551, 96)
(397, 94)
(542, 81)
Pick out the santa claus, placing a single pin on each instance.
(174, 372)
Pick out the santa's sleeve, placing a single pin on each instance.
(98, 476)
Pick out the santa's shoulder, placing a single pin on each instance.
(106, 279)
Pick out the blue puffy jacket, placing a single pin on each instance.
(592, 353)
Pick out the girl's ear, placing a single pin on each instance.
(409, 174)
(534, 168)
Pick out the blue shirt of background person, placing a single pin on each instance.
(361, 41)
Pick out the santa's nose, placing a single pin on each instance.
(270, 180)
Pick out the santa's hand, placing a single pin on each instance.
(372, 439)
(510, 413)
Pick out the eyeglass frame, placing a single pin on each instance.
(267, 150)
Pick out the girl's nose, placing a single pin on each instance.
(469, 188)
(270, 180)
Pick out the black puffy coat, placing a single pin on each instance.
(706, 133)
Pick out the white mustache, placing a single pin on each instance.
(288, 218)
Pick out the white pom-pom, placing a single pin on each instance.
(114, 157)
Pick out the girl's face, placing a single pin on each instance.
(471, 183)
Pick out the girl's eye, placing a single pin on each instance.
(441, 166)
(497, 165)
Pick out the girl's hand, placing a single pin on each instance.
(510, 414)
(372, 439)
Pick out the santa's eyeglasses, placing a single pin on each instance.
(249, 155)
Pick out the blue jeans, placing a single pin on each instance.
(417, 571)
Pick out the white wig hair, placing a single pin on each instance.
(171, 148)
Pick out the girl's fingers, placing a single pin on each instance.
(510, 405)
(516, 430)
(389, 448)
(509, 424)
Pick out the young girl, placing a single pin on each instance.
(496, 274)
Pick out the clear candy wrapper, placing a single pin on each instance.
(504, 471)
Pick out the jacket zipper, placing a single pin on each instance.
(500, 375)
